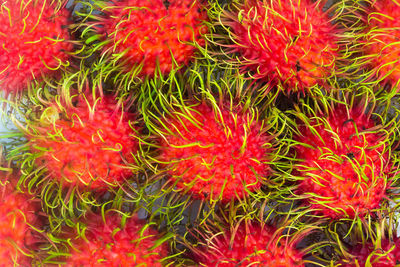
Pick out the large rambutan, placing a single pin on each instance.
(34, 41)
(116, 242)
(291, 43)
(377, 41)
(18, 214)
(384, 254)
(250, 245)
(150, 36)
(88, 144)
(370, 243)
(218, 152)
(344, 162)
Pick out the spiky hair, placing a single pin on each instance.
(345, 155)
(34, 42)
(294, 44)
(143, 38)
(210, 140)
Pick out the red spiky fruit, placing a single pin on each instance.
(293, 43)
(380, 42)
(386, 253)
(250, 246)
(34, 41)
(110, 243)
(88, 145)
(215, 155)
(18, 213)
(152, 33)
(344, 163)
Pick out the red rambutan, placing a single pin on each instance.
(88, 145)
(344, 164)
(292, 43)
(378, 41)
(116, 243)
(34, 41)
(386, 254)
(152, 34)
(250, 245)
(18, 213)
(215, 153)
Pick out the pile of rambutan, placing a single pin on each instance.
(199, 133)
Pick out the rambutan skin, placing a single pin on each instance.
(17, 213)
(34, 42)
(292, 43)
(215, 156)
(379, 41)
(111, 244)
(386, 255)
(344, 167)
(90, 145)
(153, 33)
(251, 246)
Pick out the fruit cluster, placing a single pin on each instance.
(200, 133)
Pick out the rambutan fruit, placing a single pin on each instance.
(76, 144)
(250, 245)
(34, 42)
(215, 152)
(115, 241)
(344, 160)
(210, 143)
(372, 243)
(88, 145)
(294, 44)
(376, 45)
(147, 37)
(18, 217)
(386, 254)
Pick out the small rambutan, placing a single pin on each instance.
(291, 43)
(344, 162)
(370, 243)
(378, 41)
(34, 41)
(215, 152)
(18, 214)
(152, 36)
(88, 144)
(250, 245)
(384, 254)
(115, 242)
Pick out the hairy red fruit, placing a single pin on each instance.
(17, 213)
(386, 255)
(153, 32)
(114, 245)
(88, 145)
(250, 246)
(215, 155)
(344, 163)
(289, 42)
(33, 42)
(381, 40)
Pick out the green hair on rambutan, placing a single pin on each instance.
(137, 40)
(345, 155)
(109, 236)
(366, 242)
(375, 49)
(21, 223)
(238, 237)
(296, 45)
(211, 143)
(78, 144)
(35, 42)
